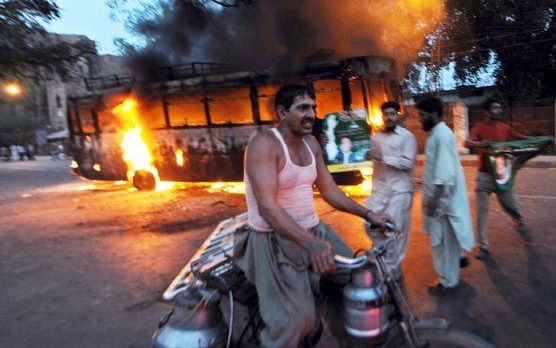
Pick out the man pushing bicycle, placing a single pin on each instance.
(284, 235)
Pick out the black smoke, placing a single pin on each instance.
(283, 34)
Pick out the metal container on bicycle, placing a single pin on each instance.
(195, 321)
(365, 305)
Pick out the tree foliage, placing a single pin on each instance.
(26, 49)
(520, 36)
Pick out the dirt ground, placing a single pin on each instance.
(84, 264)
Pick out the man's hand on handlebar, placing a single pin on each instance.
(321, 256)
(378, 220)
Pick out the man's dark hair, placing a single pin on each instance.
(489, 102)
(390, 104)
(287, 94)
(430, 105)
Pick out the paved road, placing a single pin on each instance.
(22, 179)
(84, 264)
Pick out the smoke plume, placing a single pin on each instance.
(283, 34)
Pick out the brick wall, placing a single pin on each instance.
(532, 120)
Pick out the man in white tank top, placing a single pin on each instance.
(284, 235)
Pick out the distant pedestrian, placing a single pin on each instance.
(13, 150)
(30, 149)
(484, 133)
(21, 152)
(446, 215)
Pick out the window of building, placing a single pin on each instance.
(58, 101)
(230, 106)
(266, 95)
(186, 110)
(86, 117)
(328, 95)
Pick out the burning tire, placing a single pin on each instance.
(144, 180)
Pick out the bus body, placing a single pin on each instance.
(206, 114)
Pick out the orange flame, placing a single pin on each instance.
(179, 157)
(364, 188)
(374, 119)
(229, 187)
(136, 152)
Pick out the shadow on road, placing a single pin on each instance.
(459, 303)
(533, 306)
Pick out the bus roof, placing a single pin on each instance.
(193, 74)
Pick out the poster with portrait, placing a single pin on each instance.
(504, 159)
(345, 138)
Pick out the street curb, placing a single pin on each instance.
(471, 161)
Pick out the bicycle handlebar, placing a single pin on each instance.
(375, 251)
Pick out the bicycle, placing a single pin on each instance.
(376, 312)
(370, 271)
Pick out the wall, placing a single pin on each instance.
(528, 120)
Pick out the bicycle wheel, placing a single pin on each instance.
(451, 338)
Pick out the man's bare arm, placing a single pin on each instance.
(262, 169)
(333, 195)
(474, 141)
(470, 143)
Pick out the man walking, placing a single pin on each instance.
(393, 153)
(284, 235)
(493, 130)
(446, 215)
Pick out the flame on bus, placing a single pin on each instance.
(195, 131)
(136, 152)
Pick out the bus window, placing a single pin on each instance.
(186, 110)
(107, 121)
(357, 97)
(328, 95)
(152, 114)
(74, 124)
(86, 116)
(230, 106)
(266, 96)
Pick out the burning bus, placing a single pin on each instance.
(195, 121)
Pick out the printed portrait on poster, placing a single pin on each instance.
(502, 163)
(345, 136)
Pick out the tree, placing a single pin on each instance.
(27, 50)
(519, 37)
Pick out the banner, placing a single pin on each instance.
(504, 159)
(346, 137)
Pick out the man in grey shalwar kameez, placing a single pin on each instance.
(393, 152)
(446, 215)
